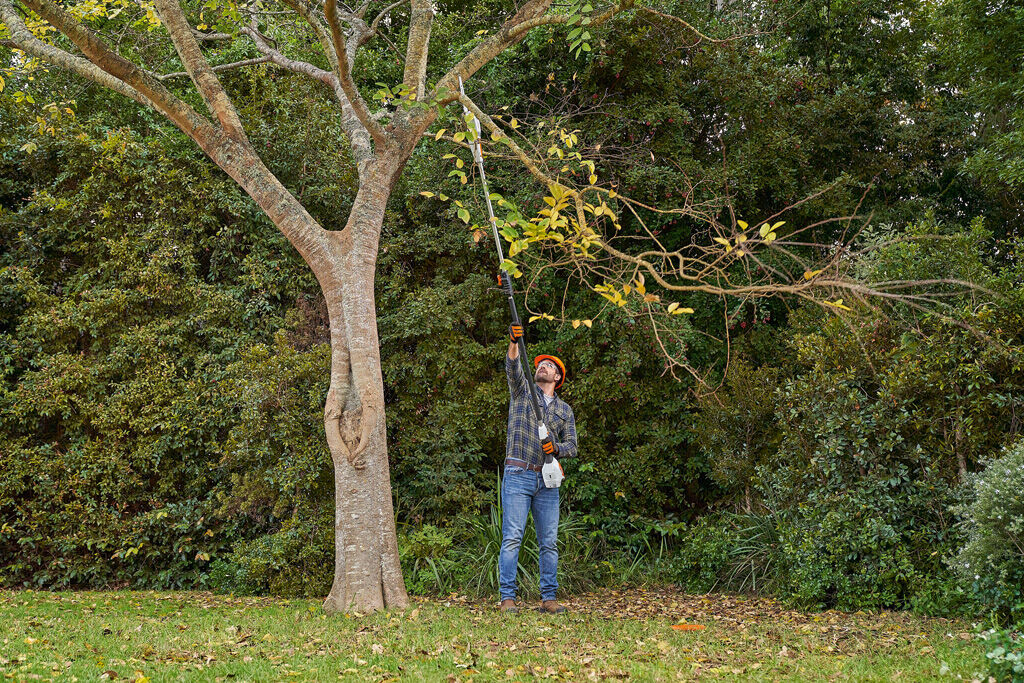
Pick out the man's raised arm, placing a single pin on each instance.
(513, 368)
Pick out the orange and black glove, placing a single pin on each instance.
(549, 447)
(515, 333)
(505, 282)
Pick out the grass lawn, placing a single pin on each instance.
(615, 635)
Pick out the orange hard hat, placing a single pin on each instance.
(557, 361)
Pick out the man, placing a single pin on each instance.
(522, 487)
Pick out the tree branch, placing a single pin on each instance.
(383, 13)
(344, 74)
(531, 15)
(206, 81)
(359, 137)
(489, 123)
(488, 49)
(211, 37)
(23, 39)
(418, 46)
(216, 69)
(192, 123)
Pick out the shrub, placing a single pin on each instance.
(992, 560)
(427, 564)
(297, 561)
(1004, 655)
(703, 558)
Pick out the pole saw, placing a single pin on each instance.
(551, 471)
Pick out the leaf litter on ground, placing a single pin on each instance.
(607, 635)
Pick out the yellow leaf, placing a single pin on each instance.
(427, 194)
(532, 318)
(31, 641)
(680, 311)
(673, 306)
(620, 494)
(437, 136)
(593, 178)
(459, 163)
(809, 274)
(588, 323)
(724, 242)
(742, 224)
(838, 303)
(626, 289)
(575, 324)
(513, 124)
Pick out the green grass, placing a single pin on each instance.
(614, 635)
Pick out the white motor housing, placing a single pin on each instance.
(553, 474)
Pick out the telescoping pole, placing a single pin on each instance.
(505, 279)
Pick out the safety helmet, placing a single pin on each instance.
(557, 361)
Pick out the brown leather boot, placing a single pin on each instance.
(551, 607)
(508, 605)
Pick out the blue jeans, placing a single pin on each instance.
(521, 492)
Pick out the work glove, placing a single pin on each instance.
(505, 282)
(549, 447)
(515, 333)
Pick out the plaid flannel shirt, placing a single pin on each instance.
(523, 442)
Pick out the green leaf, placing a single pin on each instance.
(464, 215)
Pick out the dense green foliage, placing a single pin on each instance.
(993, 557)
(163, 350)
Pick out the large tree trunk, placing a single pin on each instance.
(367, 573)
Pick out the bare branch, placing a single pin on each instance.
(383, 13)
(211, 37)
(216, 69)
(293, 65)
